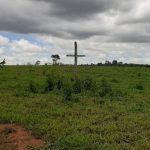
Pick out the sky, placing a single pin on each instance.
(32, 30)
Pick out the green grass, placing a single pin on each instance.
(118, 120)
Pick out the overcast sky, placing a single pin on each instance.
(33, 30)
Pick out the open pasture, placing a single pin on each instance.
(104, 108)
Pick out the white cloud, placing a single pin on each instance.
(3, 41)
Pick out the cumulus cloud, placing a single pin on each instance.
(62, 18)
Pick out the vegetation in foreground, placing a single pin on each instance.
(98, 108)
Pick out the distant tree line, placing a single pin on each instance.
(116, 63)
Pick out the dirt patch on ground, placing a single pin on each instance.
(14, 137)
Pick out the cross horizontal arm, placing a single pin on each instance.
(70, 55)
(80, 55)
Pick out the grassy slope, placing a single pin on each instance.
(87, 124)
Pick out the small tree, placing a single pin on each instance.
(107, 62)
(114, 62)
(55, 58)
(37, 62)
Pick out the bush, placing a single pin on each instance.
(105, 88)
(89, 84)
(77, 86)
(67, 94)
(49, 85)
(32, 88)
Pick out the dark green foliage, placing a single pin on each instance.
(77, 86)
(114, 80)
(49, 84)
(72, 79)
(105, 88)
(32, 87)
(138, 107)
(139, 74)
(67, 94)
(44, 72)
(59, 84)
(101, 102)
(89, 84)
(139, 87)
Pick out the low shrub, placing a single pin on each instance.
(67, 94)
(89, 84)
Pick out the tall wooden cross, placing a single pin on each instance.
(75, 54)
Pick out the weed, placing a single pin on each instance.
(32, 148)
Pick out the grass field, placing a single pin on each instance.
(104, 108)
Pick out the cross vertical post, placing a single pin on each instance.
(75, 54)
(76, 57)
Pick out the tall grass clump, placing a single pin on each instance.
(105, 88)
